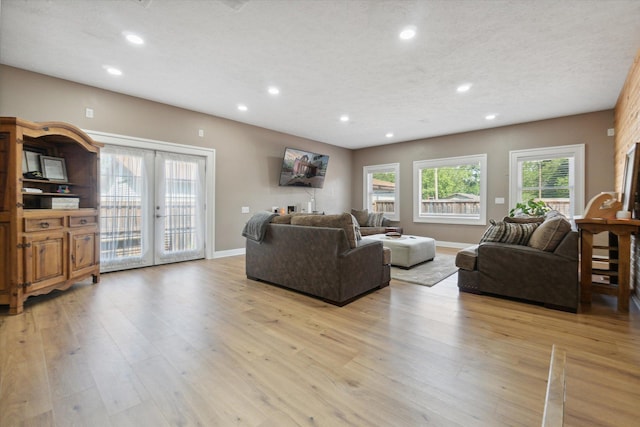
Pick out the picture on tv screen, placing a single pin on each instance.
(303, 168)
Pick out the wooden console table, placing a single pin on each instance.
(622, 229)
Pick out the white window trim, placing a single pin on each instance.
(576, 151)
(450, 161)
(208, 153)
(389, 167)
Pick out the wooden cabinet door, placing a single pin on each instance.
(84, 251)
(5, 270)
(45, 260)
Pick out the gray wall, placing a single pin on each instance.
(248, 158)
(589, 129)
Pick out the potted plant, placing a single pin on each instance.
(531, 207)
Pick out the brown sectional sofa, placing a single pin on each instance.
(541, 267)
(319, 255)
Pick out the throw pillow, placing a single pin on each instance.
(552, 214)
(361, 216)
(357, 228)
(375, 219)
(550, 233)
(508, 232)
(523, 219)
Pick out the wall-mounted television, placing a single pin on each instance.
(302, 168)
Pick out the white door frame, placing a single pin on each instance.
(210, 161)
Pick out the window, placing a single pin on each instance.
(451, 190)
(382, 189)
(554, 175)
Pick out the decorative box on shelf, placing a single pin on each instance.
(60, 203)
(31, 190)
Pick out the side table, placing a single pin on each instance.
(622, 229)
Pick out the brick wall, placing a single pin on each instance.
(627, 127)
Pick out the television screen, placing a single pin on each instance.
(303, 169)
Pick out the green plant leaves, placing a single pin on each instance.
(531, 207)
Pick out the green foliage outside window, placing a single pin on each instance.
(385, 176)
(451, 180)
(545, 179)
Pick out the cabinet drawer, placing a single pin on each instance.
(81, 221)
(41, 224)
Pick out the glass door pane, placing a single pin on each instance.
(125, 208)
(179, 208)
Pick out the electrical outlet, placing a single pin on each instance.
(88, 112)
(611, 132)
(200, 133)
(499, 200)
(245, 209)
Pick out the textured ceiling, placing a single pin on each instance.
(527, 60)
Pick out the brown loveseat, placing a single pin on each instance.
(319, 255)
(533, 262)
(374, 222)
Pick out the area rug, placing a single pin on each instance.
(428, 273)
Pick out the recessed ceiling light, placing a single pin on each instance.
(344, 118)
(490, 116)
(113, 70)
(464, 87)
(408, 33)
(389, 135)
(134, 38)
(273, 90)
(242, 107)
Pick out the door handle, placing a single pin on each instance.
(160, 216)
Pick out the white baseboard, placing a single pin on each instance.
(457, 245)
(230, 252)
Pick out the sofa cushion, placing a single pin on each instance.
(467, 258)
(508, 232)
(550, 233)
(281, 219)
(361, 216)
(375, 219)
(344, 221)
(285, 219)
(370, 231)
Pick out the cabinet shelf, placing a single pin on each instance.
(25, 193)
(48, 181)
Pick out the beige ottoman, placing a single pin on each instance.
(407, 251)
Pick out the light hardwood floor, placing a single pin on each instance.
(197, 343)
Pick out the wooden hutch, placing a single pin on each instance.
(49, 209)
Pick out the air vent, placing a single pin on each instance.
(235, 4)
(143, 3)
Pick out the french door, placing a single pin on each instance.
(151, 207)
